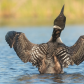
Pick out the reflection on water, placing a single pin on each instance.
(52, 78)
(14, 71)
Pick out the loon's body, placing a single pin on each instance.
(50, 57)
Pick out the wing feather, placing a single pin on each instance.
(70, 55)
(26, 50)
(64, 56)
(77, 51)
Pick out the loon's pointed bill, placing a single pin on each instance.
(62, 10)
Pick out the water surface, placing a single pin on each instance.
(14, 71)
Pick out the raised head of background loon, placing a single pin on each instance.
(50, 57)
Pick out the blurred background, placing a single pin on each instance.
(39, 12)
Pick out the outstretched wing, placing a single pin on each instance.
(77, 51)
(63, 55)
(70, 55)
(27, 51)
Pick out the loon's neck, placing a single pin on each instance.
(56, 34)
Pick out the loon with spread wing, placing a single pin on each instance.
(50, 57)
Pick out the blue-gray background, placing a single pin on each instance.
(14, 71)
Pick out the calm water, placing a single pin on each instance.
(14, 71)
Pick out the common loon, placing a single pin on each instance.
(50, 57)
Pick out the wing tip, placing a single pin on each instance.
(9, 37)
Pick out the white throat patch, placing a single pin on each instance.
(59, 40)
(55, 26)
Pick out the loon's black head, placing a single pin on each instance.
(59, 24)
(60, 20)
